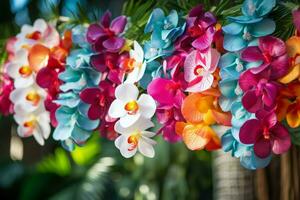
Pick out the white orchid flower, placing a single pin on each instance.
(135, 65)
(36, 124)
(20, 71)
(28, 99)
(199, 68)
(39, 33)
(135, 138)
(128, 107)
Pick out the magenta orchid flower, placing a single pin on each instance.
(99, 99)
(260, 91)
(266, 133)
(107, 130)
(200, 30)
(198, 69)
(110, 65)
(168, 117)
(6, 87)
(271, 53)
(106, 34)
(167, 93)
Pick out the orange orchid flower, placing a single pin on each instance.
(288, 105)
(293, 48)
(40, 56)
(201, 110)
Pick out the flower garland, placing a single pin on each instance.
(249, 74)
(34, 49)
(235, 87)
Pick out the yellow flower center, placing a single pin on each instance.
(130, 64)
(29, 124)
(25, 71)
(33, 97)
(131, 107)
(133, 140)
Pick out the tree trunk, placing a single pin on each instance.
(230, 180)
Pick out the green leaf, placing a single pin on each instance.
(86, 154)
(57, 163)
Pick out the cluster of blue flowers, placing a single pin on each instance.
(241, 32)
(74, 126)
(164, 31)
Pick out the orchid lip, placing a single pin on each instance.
(36, 35)
(266, 133)
(25, 71)
(133, 140)
(131, 107)
(199, 70)
(33, 97)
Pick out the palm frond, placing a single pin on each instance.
(282, 15)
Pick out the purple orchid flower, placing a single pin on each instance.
(271, 53)
(99, 99)
(169, 117)
(200, 30)
(266, 133)
(260, 91)
(110, 65)
(105, 35)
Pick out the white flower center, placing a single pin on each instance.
(238, 90)
(239, 66)
(247, 36)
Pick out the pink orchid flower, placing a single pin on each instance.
(260, 91)
(266, 133)
(168, 117)
(6, 87)
(99, 98)
(110, 65)
(272, 54)
(200, 30)
(167, 93)
(198, 69)
(106, 34)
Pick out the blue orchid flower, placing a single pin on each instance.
(74, 126)
(165, 30)
(238, 36)
(231, 67)
(254, 11)
(244, 30)
(245, 153)
(153, 70)
(239, 116)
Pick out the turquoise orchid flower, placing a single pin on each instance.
(164, 31)
(74, 126)
(245, 153)
(153, 70)
(238, 36)
(254, 11)
(244, 30)
(231, 67)
(239, 116)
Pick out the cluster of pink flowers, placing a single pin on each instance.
(261, 89)
(107, 43)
